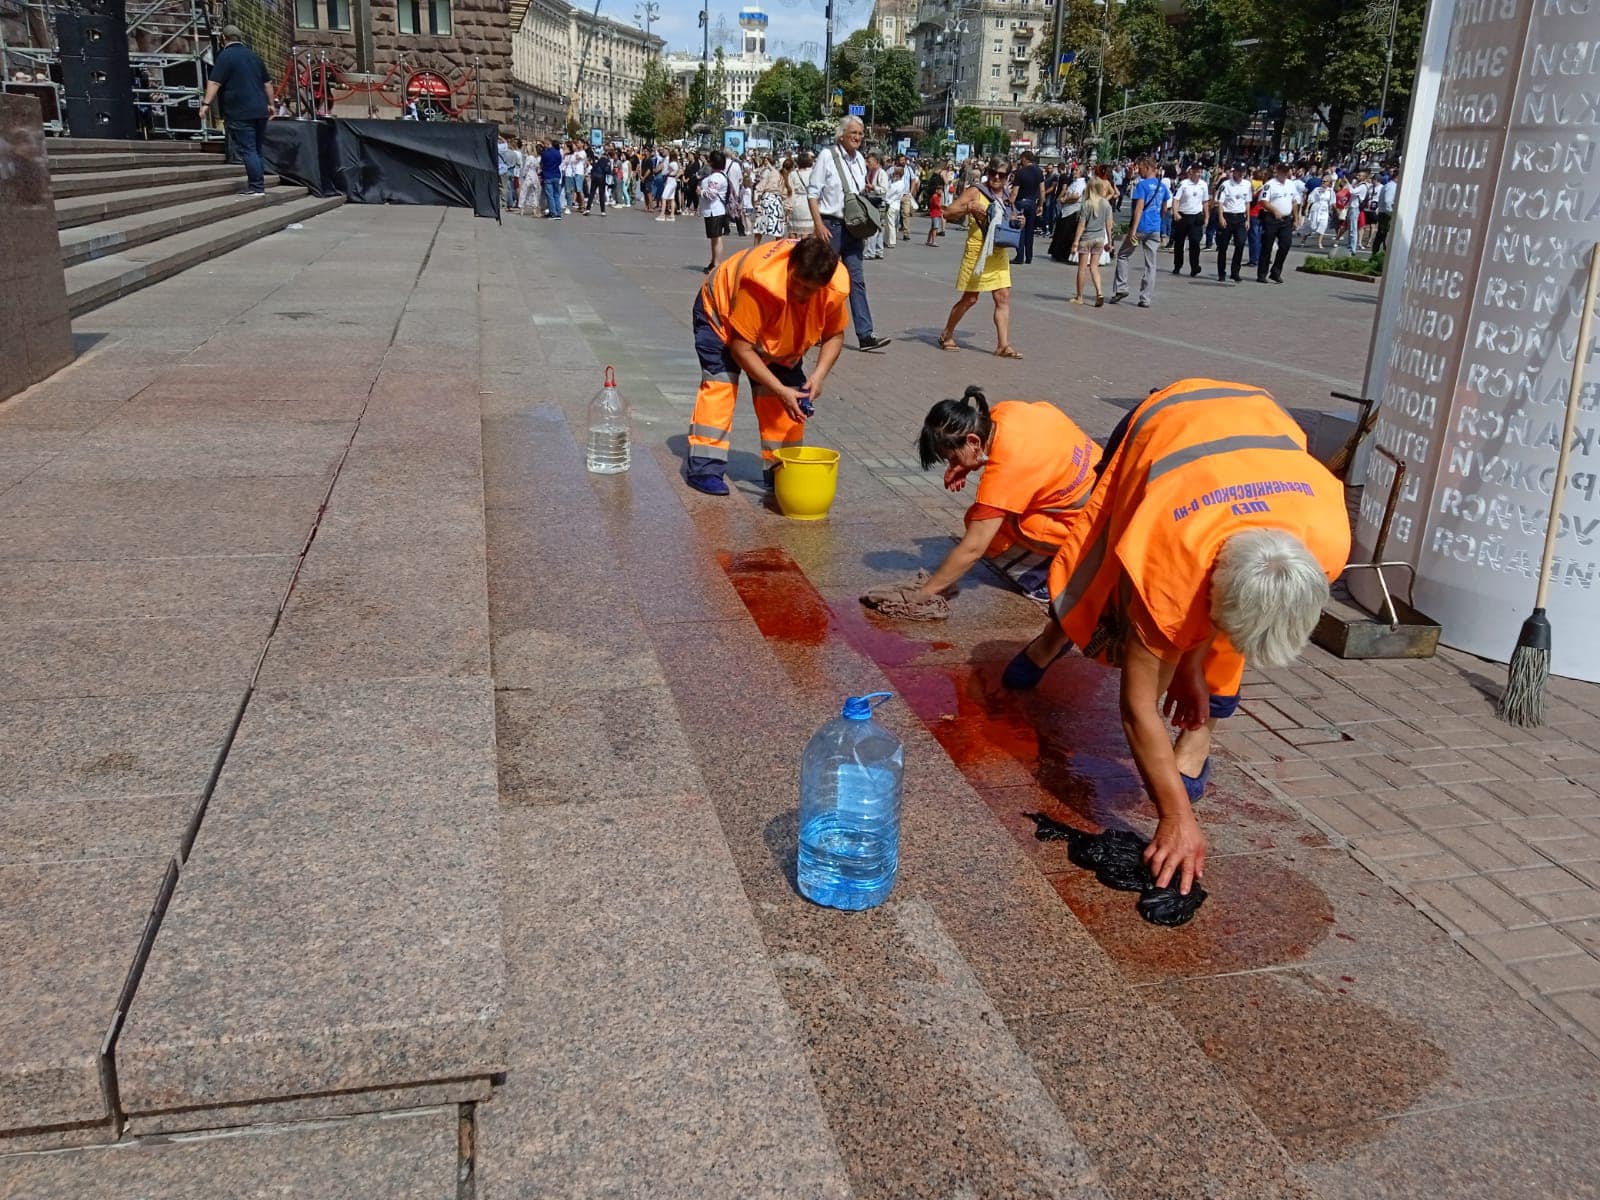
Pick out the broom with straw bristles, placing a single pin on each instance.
(1522, 703)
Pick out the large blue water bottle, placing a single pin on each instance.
(850, 778)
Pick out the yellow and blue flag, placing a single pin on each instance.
(1064, 63)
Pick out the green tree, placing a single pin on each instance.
(644, 119)
(968, 123)
(717, 97)
(699, 95)
(671, 116)
(787, 87)
(882, 79)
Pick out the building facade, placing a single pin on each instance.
(983, 55)
(895, 21)
(565, 62)
(370, 57)
(541, 68)
(742, 70)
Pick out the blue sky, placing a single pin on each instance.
(793, 22)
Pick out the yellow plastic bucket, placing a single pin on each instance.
(807, 477)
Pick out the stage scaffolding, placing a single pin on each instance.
(169, 50)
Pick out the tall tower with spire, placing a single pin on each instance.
(754, 23)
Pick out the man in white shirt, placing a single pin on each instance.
(826, 195)
(877, 191)
(1280, 213)
(899, 185)
(1233, 219)
(1360, 190)
(735, 171)
(1189, 203)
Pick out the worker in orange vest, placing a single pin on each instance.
(1037, 471)
(759, 313)
(1209, 541)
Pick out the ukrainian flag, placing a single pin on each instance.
(1064, 63)
(1371, 119)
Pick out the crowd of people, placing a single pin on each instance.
(1093, 217)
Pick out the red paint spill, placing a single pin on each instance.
(1059, 750)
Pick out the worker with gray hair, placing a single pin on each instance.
(1208, 542)
(839, 174)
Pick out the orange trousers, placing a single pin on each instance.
(711, 426)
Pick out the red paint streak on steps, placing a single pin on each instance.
(1059, 750)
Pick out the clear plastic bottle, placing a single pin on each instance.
(850, 778)
(610, 448)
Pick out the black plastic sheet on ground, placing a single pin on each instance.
(303, 153)
(420, 162)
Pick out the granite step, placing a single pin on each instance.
(1008, 1054)
(411, 1157)
(90, 183)
(84, 242)
(333, 943)
(79, 163)
(652, 1053)
(72, 145)
(101, 280)
(84, 210)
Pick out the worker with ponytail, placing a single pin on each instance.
(1037, 468)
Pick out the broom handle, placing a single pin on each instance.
(1580, 351)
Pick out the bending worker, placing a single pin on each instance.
(1209, 541)
(759, 313)
(1037, 473)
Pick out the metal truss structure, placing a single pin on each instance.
(170, 51)
(1167, 112)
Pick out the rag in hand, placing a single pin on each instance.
(907, 601)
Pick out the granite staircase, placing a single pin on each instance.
(133, 213)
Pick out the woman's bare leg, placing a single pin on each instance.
(1002, 317)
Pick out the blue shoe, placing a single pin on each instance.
(1195, 785)
(711, 485)
(1021, 675)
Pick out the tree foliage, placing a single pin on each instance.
(708, 93)
(1321, 56)
(788, 87)
(672, 115)
(881, 79)
(644, 115)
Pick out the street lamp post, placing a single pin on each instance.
(646, 13)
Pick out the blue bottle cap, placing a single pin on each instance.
(859, 708)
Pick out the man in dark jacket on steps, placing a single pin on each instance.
(241, 78)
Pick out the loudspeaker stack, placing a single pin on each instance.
(95, 75)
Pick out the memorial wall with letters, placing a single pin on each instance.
(1479, 366)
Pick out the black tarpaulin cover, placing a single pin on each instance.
(302, 152)
(420, 162)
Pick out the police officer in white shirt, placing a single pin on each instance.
(1233, 204)
(1280, 213)
(1189, 203)
(826, 194)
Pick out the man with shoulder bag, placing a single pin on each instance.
(841, 214)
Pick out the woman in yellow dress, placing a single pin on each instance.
(985, 267)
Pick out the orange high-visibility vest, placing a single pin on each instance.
(1039, 460)
(1201, 461)
(747, 297)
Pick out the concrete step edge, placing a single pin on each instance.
(83, 243)
(190, 248)
(87, 210)
(92, 183)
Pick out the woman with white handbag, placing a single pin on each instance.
(986, 261)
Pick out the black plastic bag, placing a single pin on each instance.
(1116, 857)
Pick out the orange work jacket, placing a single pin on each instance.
(1039, 461)
(1201, 461)
(747, 297)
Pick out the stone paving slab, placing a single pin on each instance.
(68, 933)
(403, 1157)
(655, 1055)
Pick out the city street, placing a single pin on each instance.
(380, 781)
